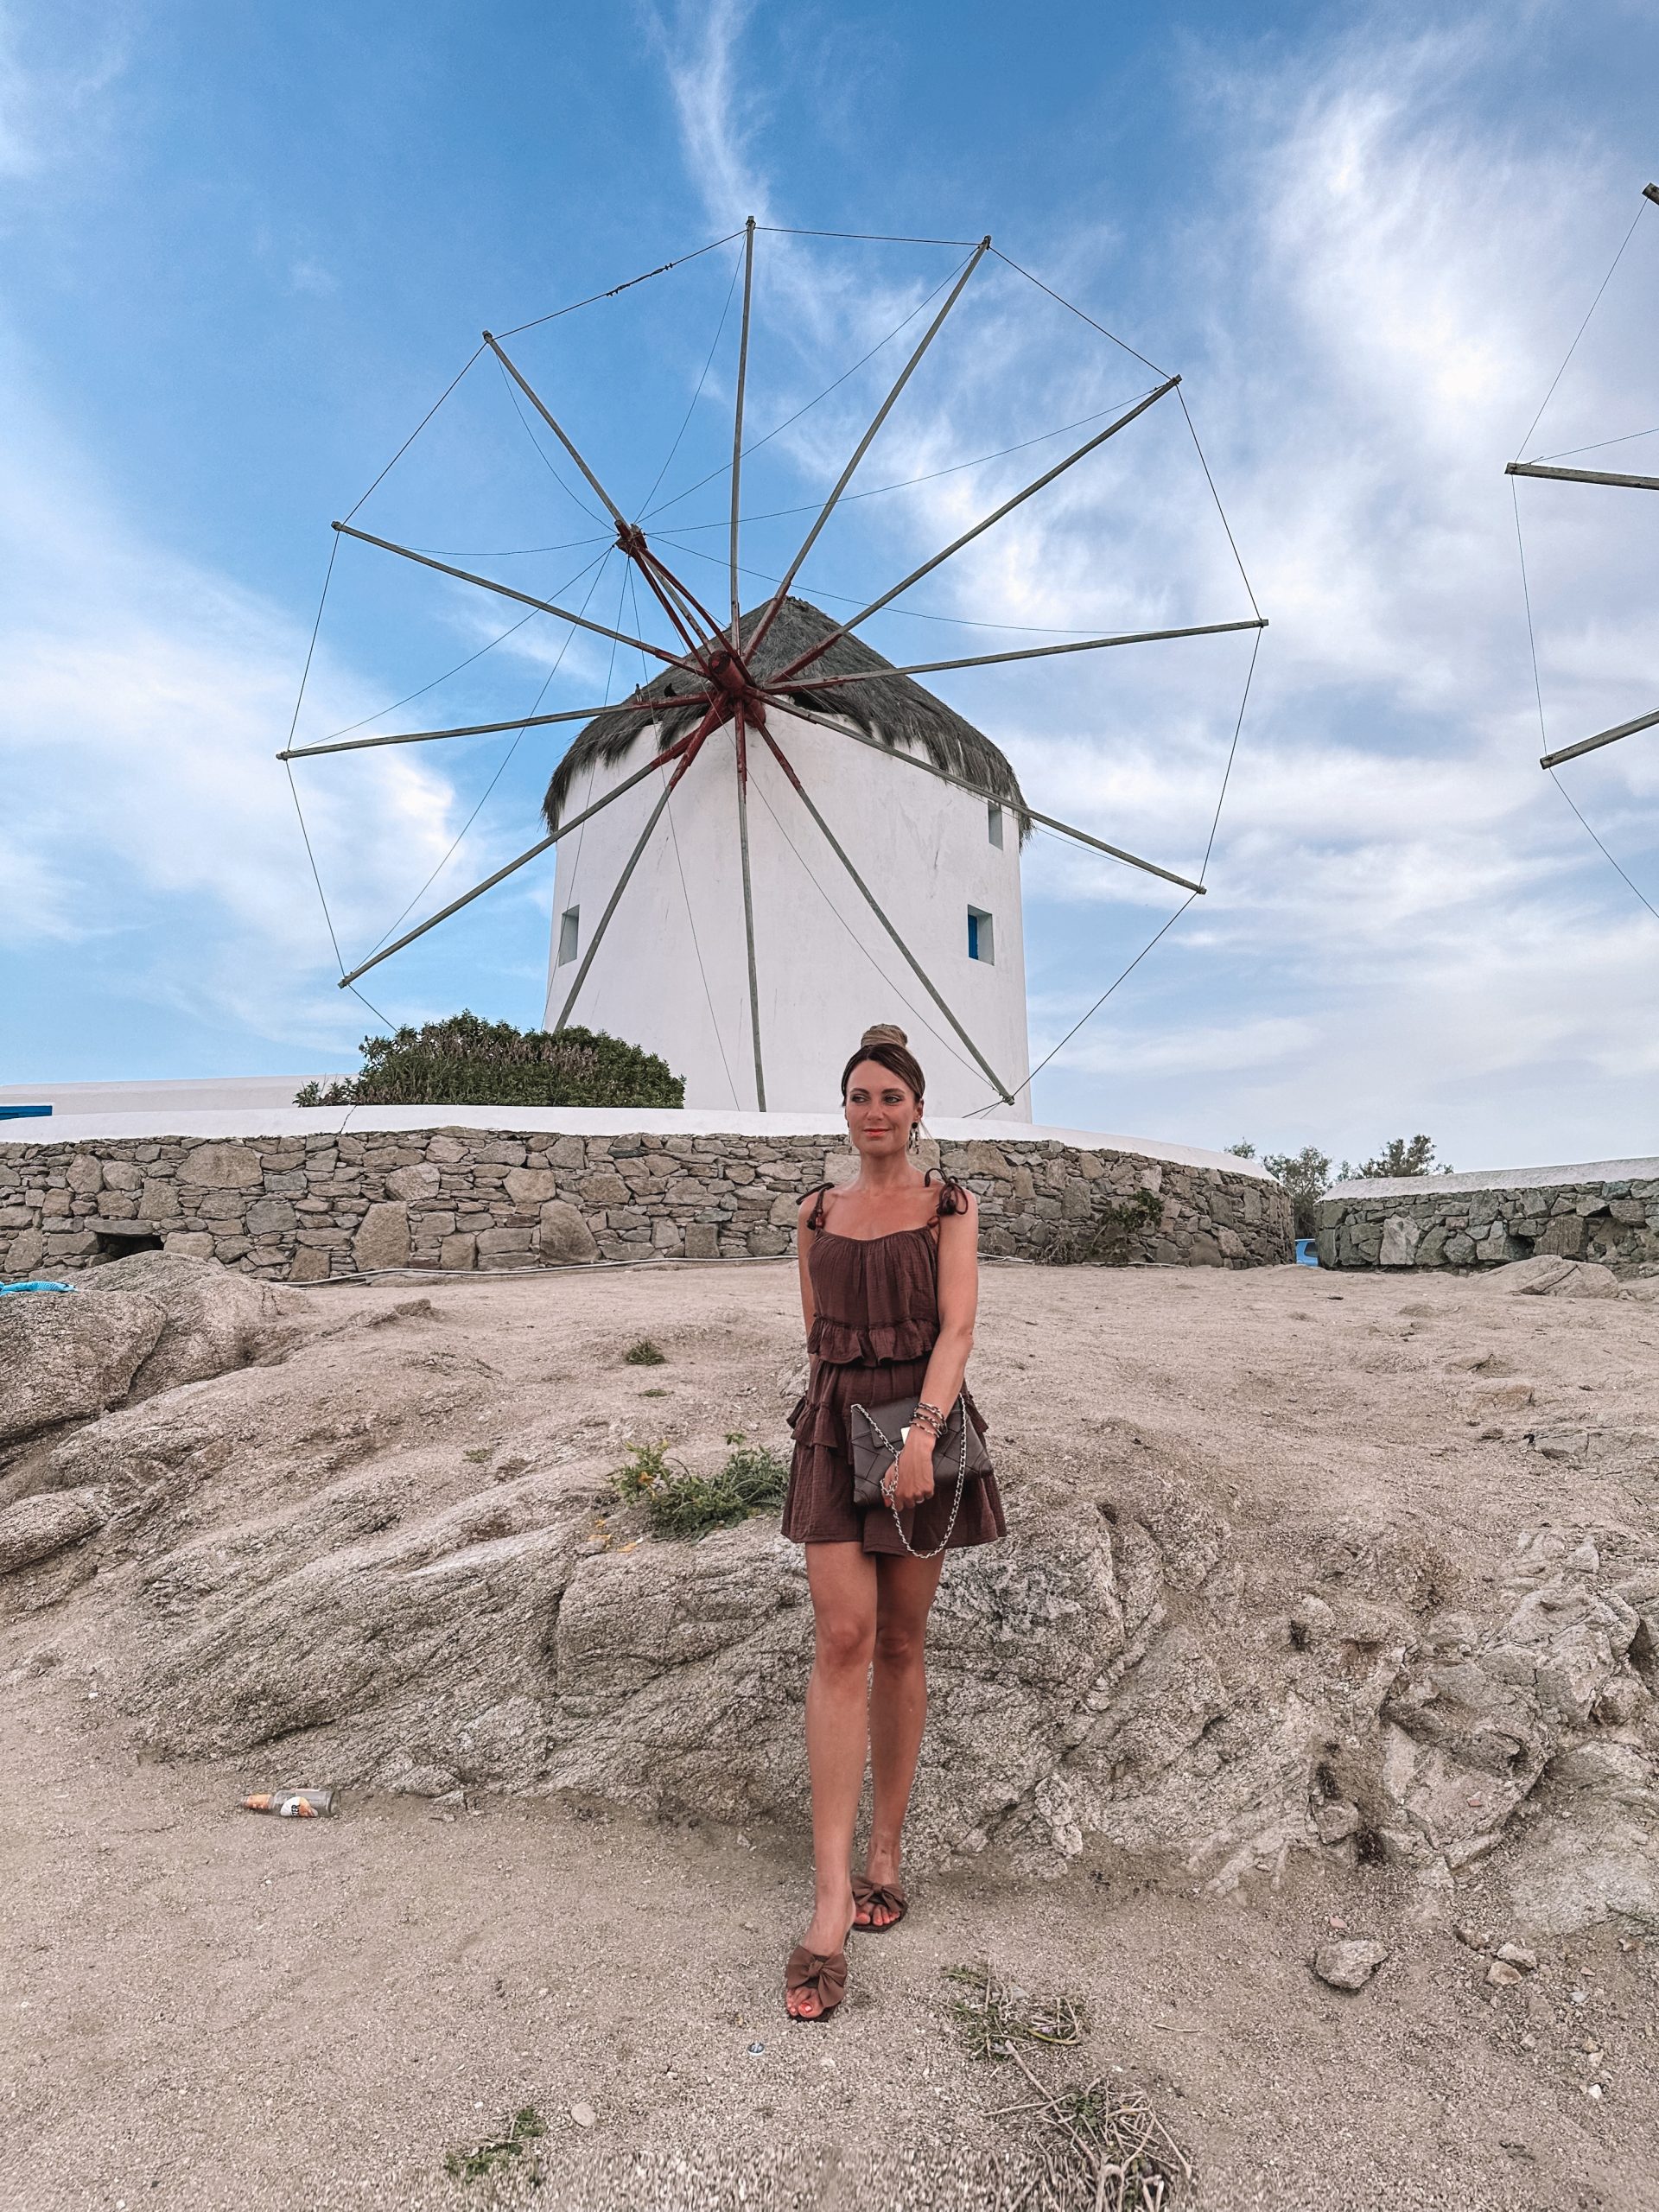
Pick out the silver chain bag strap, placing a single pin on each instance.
(875, 1455)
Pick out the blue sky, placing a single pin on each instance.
(243, 250)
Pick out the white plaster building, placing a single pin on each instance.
(671, 974)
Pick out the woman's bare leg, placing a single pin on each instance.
(905, 1593)
(841, 1578)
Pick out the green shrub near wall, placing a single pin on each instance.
(465, 1061)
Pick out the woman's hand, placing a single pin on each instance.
(912, 1472)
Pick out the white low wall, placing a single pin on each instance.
(162, 1119)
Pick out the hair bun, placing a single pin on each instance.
(883, 1033)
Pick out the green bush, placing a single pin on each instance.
(1112, 1238)
(465, 1061)
(679, 1503)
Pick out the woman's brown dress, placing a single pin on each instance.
(875, 1321)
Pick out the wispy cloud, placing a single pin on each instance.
(145, 698)
(1389, 270)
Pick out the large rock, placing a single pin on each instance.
(68, 1357)
(528, 1187)
(34, 1527)
(1400, 1237)
(564, 1236)
(1550, 1275)
(419, 1182)
(216, 1320)
(382, 1240)
(130, 1330)
(222, 1167)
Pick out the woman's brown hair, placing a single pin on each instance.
(885, 1042)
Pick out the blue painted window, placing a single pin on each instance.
(981, 936)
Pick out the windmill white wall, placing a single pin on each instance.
(671, 973)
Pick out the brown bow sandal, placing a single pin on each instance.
(825, 1977)
(878, 1896)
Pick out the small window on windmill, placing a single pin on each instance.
(569, 930)
(981, 936)
(994, 824)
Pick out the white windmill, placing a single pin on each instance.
(781, 810)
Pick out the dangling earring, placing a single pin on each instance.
(915, 1135)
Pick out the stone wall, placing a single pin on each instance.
(1607, 1211)
(302, 1208)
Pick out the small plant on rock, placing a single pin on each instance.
(678, 1502)
(1110, 1238)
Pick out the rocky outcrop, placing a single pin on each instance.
(1100, 1692)
(396, 1562)
(68, 1358)
(138, 1326)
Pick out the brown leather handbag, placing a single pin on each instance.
(878, 1438)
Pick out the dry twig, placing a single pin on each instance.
(1098, 2148)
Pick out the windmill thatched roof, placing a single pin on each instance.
(896, 710)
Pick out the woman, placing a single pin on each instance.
(889, 1283)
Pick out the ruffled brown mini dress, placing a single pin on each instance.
(875, 1321)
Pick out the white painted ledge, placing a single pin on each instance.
(166, 1117)
(1499, 1178)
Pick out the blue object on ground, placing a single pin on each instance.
(6, 1289)
(1306, 1253)
(23, 1113)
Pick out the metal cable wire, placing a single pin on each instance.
(843, 599)
(416, 432)
(1584, 325)
(1601, 445)
(777, 430)
(362, 723)
(511, 630)
(1232, 751)
(871, 237)
(627, 285)
(525, 420)
(810, 506)
(293, 724)
(505, 762)
(719, 332)
(1538, 694)
(1073, 307)
(1220, 510)
(294, 790)
(1105, 994)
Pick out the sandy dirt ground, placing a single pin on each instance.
(204, 2009)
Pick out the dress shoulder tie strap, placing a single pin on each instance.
(815, 1219)
(953, 1199)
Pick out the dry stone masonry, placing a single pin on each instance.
(1607, 1213)
(304, 1208)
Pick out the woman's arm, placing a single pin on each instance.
(805, 1235)
(948, 1362)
